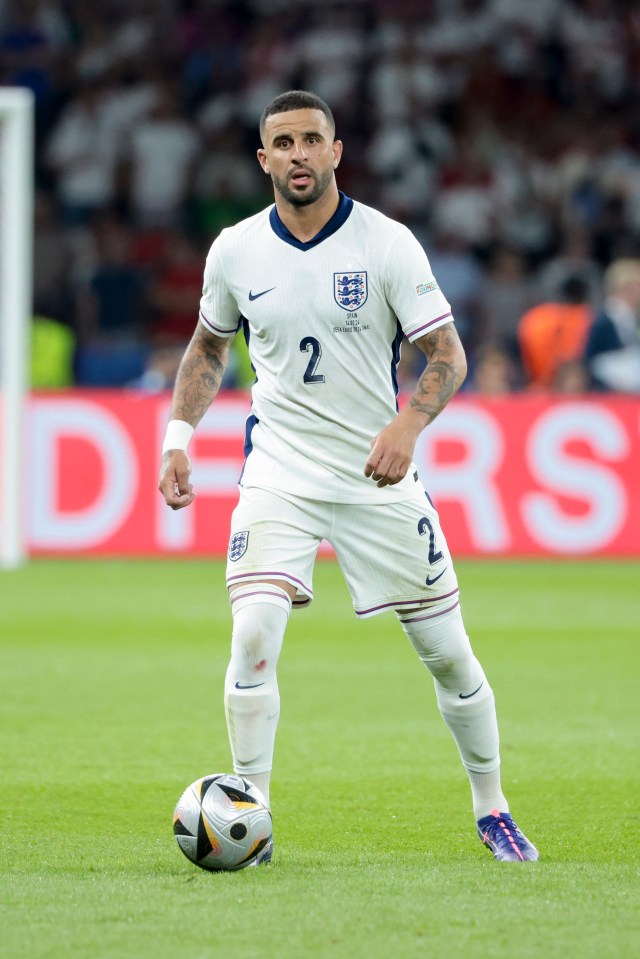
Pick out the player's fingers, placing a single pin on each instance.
(396, 471)
(383, 470)
(177, 498)
(387, 478)
(373, 459)
(379, 470)
(180, 500)
(175, 487)
(183, 488)
(182, 482)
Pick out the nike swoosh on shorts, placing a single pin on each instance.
(435, 579)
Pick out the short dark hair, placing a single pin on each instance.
(296, 100)
(575, 289)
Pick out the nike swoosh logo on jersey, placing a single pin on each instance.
(429, 581)
(254, 296)
(469, 695)
(249, 686)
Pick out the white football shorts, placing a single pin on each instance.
(393, 556)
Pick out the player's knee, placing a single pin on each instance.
(443, 646)
(463, 688)
(444, 667)
(461, 674)
(254, 652)
(260, 615)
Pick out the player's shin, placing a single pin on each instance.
(465, 700)
(252, 701)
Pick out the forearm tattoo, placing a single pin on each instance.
(444, 373)
(199, 377)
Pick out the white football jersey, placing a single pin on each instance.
(324, 321)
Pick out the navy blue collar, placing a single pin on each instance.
(345, 207)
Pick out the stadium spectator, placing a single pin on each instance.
(163, 150)
(508, 293)
(112, 349)
(573, 259)
(27, 45)
(330, 52)
(466, 199)
(493, 371)
(174, 294)
(225, 186)
(612, 351)
(160, 370)
(52, 259)
(268, 60)
(554, 333)
(462, 280)
(214, 62)
(130, 96)
(83, 156)
(571, 377)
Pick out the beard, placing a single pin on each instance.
(319, 188)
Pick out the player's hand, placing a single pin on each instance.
(174, 479)
(391, 453)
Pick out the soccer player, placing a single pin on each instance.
(325, 288)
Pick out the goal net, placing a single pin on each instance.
(16, 210)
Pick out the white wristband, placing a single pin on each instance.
(177, 436)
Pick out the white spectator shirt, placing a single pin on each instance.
(324, 322)
(162, 152)
(84, 155)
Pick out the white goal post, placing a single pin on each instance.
(16, 244)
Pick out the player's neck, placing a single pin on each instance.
(305, 222)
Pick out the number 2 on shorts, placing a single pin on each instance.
(423, 525)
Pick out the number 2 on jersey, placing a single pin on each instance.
(310, 375)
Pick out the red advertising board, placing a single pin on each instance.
(521, 476)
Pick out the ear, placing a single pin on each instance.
(262, 160)
(337, 153)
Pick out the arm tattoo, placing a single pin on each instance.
(444, 373)
(199, 377)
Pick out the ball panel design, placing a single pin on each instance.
(189, 846)
(221, 822)
(187, 812)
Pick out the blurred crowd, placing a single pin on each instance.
(505, 134)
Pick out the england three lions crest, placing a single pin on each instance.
(350, 290)
(238, 545)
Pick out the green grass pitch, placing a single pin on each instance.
(110, 696)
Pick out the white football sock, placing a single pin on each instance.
(262, 781)
(465, 700)
(252, 701)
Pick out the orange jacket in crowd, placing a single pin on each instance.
(550, 335)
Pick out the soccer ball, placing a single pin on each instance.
(222, 822)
